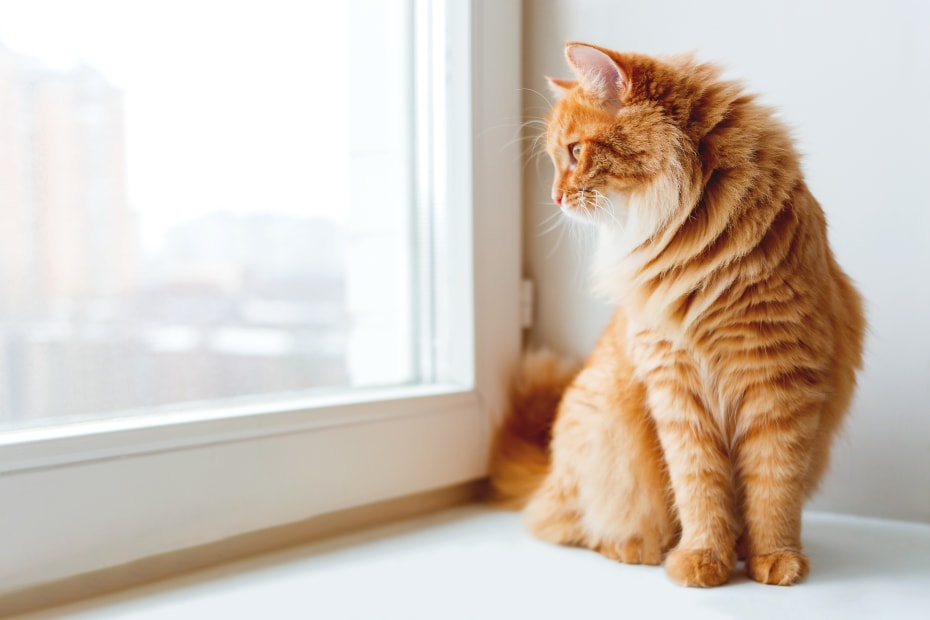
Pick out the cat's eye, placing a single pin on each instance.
(575, 150)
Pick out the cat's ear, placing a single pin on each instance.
(559, 87)
(600, 75)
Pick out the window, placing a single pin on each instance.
(431, 293)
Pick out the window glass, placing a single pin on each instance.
(202, 201)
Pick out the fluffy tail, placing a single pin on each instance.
(520, 453)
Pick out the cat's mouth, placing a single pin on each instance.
(577, 211)
(593, 206)
(567, 204)
(583, 204)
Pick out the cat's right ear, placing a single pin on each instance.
(599, 73)
(559, 87)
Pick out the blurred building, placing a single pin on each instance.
(227, 305)
(66, 229)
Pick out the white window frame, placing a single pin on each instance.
(79, 498)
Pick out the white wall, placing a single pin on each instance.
(853, 79)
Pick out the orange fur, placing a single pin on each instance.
(706, 412)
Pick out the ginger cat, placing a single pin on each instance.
(704, 417)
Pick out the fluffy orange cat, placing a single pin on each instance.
(704, 417)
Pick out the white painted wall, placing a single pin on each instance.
(853, 79)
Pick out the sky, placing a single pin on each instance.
(238, 106)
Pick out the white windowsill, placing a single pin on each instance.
(133, 435)
(473, 562)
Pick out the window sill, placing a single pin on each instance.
(112, 498)
(43, 447)
(473, 562)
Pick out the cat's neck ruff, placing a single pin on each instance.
(625, 243)
(628, 255)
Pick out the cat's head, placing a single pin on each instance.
(618, 140)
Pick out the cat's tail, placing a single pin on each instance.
(520, 452)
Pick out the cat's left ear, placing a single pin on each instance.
(600, 75)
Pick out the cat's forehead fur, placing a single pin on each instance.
(675, 84)
(575, 116)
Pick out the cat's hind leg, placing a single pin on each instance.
(625, 489)
(552, 514)
(647, 548)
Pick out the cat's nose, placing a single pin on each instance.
(557, 198)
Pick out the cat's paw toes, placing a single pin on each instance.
(633, 550)
(782, 568)
(701, 568)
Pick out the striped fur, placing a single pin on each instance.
(704, 417)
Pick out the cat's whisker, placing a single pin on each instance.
(535, 149)
(533, 121)
(551, 223)
(519, 140)
(603, 206)
(540, 95)
(555, 214)
(537, 154)
(524, 134)
(534, 152)
(560, 224)
(592, 207)
(606, 206)
(521, 135)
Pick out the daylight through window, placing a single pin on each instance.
(202, 201)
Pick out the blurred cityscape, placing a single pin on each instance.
(93, 321)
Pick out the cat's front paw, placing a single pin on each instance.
(701, 568)
(633, 550)
(782, 568)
